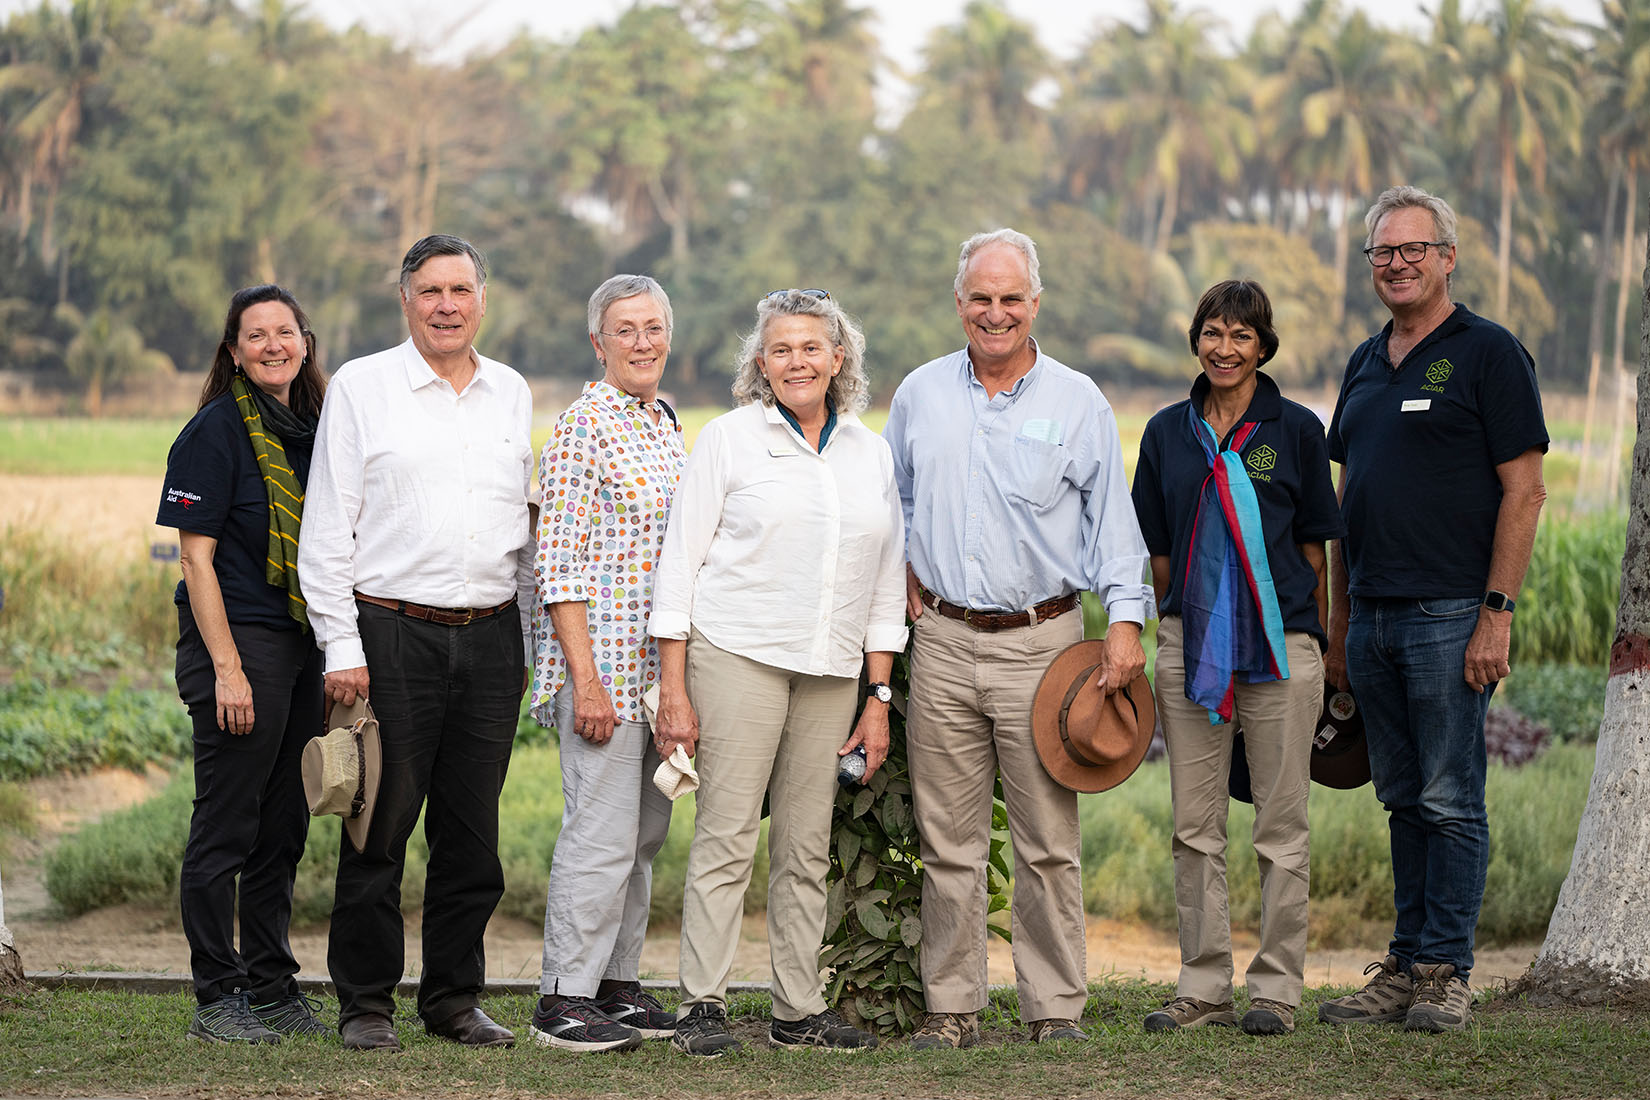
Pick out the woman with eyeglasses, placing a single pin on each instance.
(782, 574)
(1233, 495)
(607, 475)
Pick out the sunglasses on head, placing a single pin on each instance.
(812, 292)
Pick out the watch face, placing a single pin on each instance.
(883, 692)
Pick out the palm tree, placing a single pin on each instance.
(984, 68)
(104, 350)
(830, 52)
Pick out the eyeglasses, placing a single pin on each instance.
(812, 292)
(1413, 252)
(628, 336)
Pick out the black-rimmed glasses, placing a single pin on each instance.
(1413, 252)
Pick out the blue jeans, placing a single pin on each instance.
(1425, 727)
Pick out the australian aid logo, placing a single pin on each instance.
(181, 496)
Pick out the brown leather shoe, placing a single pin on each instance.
(473, 1028)
(369, 1032)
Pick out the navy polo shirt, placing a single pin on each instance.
(1420, 443)
(1288, 465)
(213, 487)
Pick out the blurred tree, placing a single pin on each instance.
(105, 350)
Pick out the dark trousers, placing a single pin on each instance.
(446, 698)
(250, 818)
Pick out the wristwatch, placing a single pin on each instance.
(882, 693)
(1498, 601)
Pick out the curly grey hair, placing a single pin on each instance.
(1012, 237)
(1404, 197)
(850, 390)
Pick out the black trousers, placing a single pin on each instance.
(446, 698)
(250, 818)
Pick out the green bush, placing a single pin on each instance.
(45, 730)
(1568, 699)
(1567, 607)
(133, 855)
(1534, 814)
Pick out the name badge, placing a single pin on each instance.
(782, 452)
(1421, 405)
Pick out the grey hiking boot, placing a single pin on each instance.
(293, 1016)
(1385, 999)
(1186, 1012)
(703, 1031)
(1055, 1030)
(1443, 1002)
(229, 1020)
(947, 1031)
(1268, 1017)
(823, 1031)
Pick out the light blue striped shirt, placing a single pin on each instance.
(1017, 499)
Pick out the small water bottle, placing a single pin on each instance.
(852, 768)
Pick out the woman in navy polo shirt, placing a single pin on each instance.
(1234, 499)
(247, 668)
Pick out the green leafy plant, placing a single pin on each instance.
(873, 899)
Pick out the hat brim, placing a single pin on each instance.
(372, 752)
(1071, 774)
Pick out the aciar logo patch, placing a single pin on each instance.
(1262, 458)
(1439, 372)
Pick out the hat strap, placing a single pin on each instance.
(359, 802)
(1065, 707)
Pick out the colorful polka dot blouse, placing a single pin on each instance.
(607, 477)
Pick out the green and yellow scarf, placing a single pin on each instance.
(286, 503)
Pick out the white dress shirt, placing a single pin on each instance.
(782, 554)
(416, 493)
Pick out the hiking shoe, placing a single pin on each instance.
(1384, 1000)
(824, 1030)
(575, 1023)
(947, 1031)
(1267, 1017)
(293, 1016)
(1057, 1031)
(1442, 1000)
(638, 1010)
(1186, 1012)
(703, 1031)
(229, 1020)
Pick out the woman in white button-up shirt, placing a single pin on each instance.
(782, 571)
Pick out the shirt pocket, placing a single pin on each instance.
(1036, 472)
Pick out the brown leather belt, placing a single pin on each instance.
(989, 621)
(444, 616)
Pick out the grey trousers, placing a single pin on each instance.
(601, 875)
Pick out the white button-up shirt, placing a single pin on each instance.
(782, 554)
(416, 493)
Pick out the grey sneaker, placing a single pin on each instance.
(229, 1020)
(1268, 1017)
(1186, 1012)
(1443, 1002)
(1055, 1030)
(293, 1016)
(947, 1031)
(636, 1008)
(1385, 999)
(823, 1030)
(576, 1023)
(703, 1031)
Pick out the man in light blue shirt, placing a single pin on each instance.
(1011, 476)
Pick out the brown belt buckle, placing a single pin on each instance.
(469, 617)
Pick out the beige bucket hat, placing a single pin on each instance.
(342, 769)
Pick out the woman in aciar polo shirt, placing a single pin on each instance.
(1234, 499)
(783, 572)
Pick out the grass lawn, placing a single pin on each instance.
(75, 1043)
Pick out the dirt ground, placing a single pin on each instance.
(113, 511)
(150, 939)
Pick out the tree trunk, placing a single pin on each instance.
(1503, 247)
(1595, 331)
(1598, 943)
(11, 964)
(1612, 458)
(1338, 204)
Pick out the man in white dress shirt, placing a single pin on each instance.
(416, 543)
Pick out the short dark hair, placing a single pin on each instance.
(440, 244)
(1238, 302)
(308, 387)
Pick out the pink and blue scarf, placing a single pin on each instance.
(1229, 607)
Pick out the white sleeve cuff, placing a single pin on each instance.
(342, 653)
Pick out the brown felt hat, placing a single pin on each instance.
(1089, 741)
(342, 768)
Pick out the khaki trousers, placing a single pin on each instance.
(1278, 720)
(761, 729)
(970, 715)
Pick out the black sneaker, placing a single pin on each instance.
(637, 1009)
(823, 1030)
(293, 1015)
(229, 1020)
(577, 1024)
(704, 1031)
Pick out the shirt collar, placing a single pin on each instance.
(789, 418)
(420, 374)
(612, 396)
(1266, 403)
(1460, 317)
(1013, 391)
